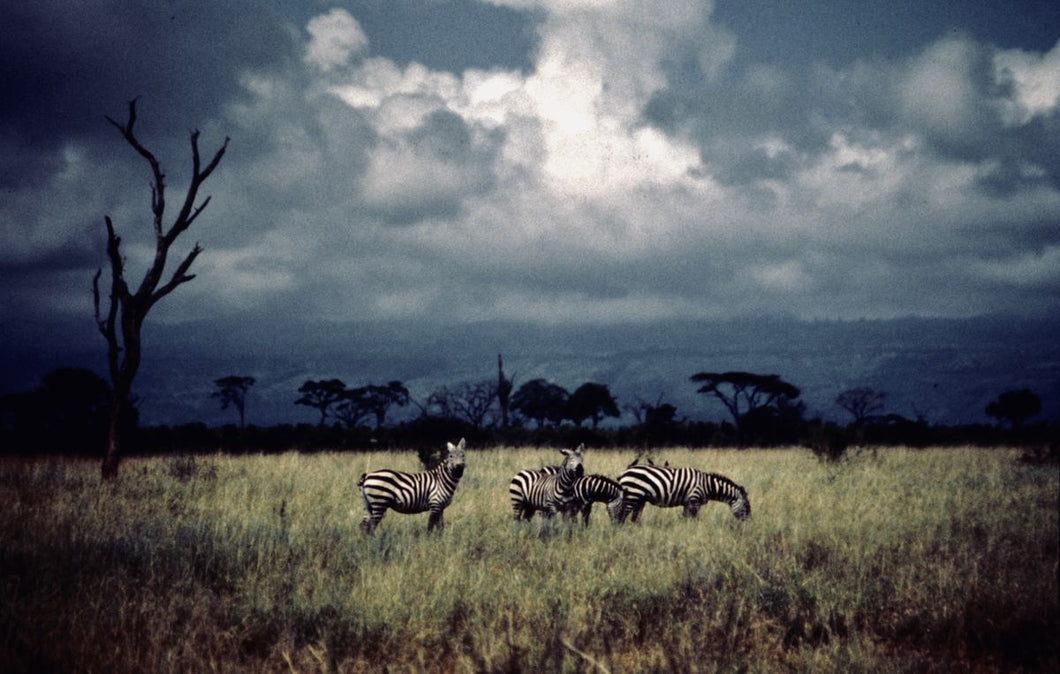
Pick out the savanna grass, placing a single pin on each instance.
(902, 560)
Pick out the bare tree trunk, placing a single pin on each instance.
(504, 390)
(114, 439)
(126, 310)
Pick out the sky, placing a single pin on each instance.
(549, 161)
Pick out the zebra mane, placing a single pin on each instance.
(721, 479)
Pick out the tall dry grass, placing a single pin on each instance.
(932, 559)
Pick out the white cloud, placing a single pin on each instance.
(940, 93)
(575, 119)
(335, 38)
(411, 184)
(1029, 269)
(1035, 80)
(788, 276)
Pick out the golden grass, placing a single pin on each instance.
(909, 559)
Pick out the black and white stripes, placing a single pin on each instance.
(668, 487)
(410, 493)
(590, 489)
(548, 490)
(551, 490)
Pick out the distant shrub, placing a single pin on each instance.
(185, 467)
(829, 443)
(1042, 454)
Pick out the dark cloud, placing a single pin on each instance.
(610, 164)
(72, 63)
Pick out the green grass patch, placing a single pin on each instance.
(903, 560)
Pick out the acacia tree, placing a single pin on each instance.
(743, 393)
(541, 401)
(591, 401)
(126, 310)
(376, 401)
(861, 402)
(470, 401)
(1015, 407)
(232, 390)
(352, 407)
(321, 395)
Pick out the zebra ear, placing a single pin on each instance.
(581, 448)
(565, 452)
(459, 446)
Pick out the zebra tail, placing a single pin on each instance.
(360, 483)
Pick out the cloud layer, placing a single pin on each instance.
(640, 168)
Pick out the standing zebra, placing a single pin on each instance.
(595, 488)
(588, 489)
(550, 489)
(411, 493)
(667, 487)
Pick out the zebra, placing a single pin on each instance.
(667, 487)
(549, 489)
(596, 488)
(411, 493)
(520, 486)
(588, 489)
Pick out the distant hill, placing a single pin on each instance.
(946, 370)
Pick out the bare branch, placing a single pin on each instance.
(188, 211)
(200, 209)
(158, 201)
(216, 159)
(95, 301)
(179, 276)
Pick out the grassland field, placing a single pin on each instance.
(898, 560)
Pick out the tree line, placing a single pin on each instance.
(70, 413)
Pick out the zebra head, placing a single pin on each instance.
(454, 460)
(741, 505)
(572, 460)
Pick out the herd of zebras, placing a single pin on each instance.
(564, 489)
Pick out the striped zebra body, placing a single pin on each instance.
(520, 487)
(548, 490)
(411, 493)
(669, 487)
(590, 489)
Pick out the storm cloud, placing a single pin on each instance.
(544, 161)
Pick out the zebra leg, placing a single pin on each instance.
(371, 520)
(435, 519)
(521, 511)
(635, 510)
(586, 510)
(691, 510)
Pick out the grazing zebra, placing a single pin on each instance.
(668, 487)
(411, 493)
(549, 489)
(594, 488)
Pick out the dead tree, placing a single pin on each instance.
(126, 310)
(504, 391)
